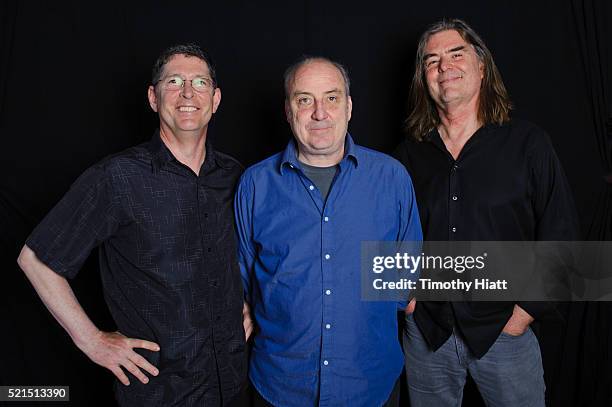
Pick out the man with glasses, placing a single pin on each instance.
(161, 215)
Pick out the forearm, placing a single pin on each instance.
(58, 297)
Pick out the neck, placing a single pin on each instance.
(189, 149)
(457, 125)
(321, 160)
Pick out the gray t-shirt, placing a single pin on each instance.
(321, 176)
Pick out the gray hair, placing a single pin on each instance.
(494, 102)
(305, 60)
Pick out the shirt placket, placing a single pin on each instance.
(454, 196)
(212, 310)
(327, 319)
(327, 286)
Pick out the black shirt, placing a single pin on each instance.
(168, 265)
(506, 184)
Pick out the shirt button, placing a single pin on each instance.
(327, 292)
(455, 166)
(290, 165)
(454, 229)
(327, 326)
(325, 362)
(326, 219)
(454, 197)
(327, 256)
(311, 187)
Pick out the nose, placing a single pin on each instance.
(187, 90)
(445, 64)
(319, 113)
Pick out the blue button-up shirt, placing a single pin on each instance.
(300, 262)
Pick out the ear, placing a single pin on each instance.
(288, 113)
(152, 98)
(349, 108)
(216, 99)
(481, 68)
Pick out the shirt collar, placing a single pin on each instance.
(289, 157)
(159, 152)
(161, 155)
(434, 136)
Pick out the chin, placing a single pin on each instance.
(326, 138)
(190, 126)
(320, 147)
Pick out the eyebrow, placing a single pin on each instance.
(303, 92)
(457, 48)
(183, 76)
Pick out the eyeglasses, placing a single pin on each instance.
(175, 82)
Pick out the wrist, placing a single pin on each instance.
(85, 338)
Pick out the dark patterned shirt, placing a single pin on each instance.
(168, 266)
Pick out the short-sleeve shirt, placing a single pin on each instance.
(167, 252)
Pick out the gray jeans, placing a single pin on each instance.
(510, 374)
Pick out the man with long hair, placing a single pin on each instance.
(479, 176)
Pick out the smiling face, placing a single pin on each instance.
(318, 110)
(184, 111)
(453, 70)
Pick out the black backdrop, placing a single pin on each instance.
(73, 81)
